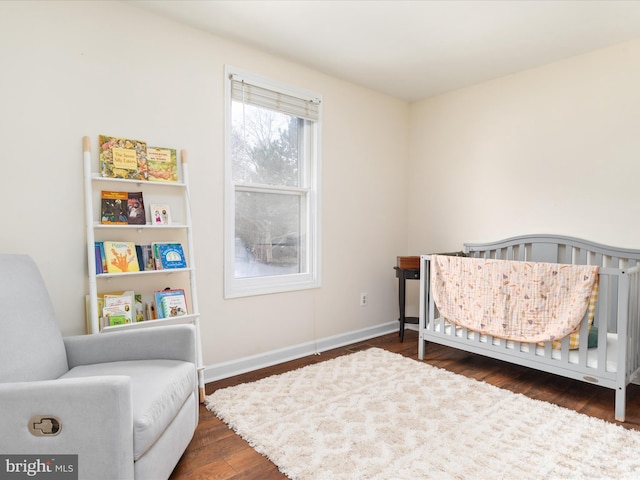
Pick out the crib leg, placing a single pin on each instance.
(621, 400)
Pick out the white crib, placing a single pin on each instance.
(613, 363)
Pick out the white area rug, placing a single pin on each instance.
(379, 415)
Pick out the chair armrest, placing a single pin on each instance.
(96, 420)
(172, 342)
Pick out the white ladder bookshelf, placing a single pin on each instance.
(177, 195)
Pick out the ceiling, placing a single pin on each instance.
(414, 49)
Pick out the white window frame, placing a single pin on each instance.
(242, 287)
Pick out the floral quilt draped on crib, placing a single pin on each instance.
(520, 301)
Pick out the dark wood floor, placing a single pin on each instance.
(218, 453)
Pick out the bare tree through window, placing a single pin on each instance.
(267, 224)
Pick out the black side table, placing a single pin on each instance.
(403, 275)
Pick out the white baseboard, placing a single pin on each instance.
(228, 369)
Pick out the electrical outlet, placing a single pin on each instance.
(363, 299)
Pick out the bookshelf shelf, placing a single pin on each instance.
(173, 226)
(160, 321)
(95, 177)
(171, 271)
(145, 282)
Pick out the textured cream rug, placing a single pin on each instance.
(378, 415)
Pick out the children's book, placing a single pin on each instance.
(122, 158)
(98, 258)
(170, 303)
(162, 164)
(147, 257)
(138, 307)
(174, 306)
(160, 214)
(140, 259)
(103, 257)
(114, 316)
(168, 255)
(121, 257)
(113, 208)
(135, 209)
(119, 309)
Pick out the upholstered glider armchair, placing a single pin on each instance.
(125, 402)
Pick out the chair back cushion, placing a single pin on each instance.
(31, 346)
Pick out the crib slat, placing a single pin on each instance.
(565, 254)
(634, 318)
(598, 259)
(564, 350)
(533, 349)
(522, 252)
(604, 305)
(583, 345)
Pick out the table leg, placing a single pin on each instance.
(401, 299)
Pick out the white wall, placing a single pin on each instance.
(86, 68)
(550, 150)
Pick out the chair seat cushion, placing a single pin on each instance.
(159, 389)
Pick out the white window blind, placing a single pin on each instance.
(245, 91)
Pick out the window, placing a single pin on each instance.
(271, 186)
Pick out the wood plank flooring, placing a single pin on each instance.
(217, 453)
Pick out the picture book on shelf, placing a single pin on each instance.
(98, 258)
(160, 214)
(138, 307)
(174, 306)
(140, 259)
(113, 208)
(115, 310)
(162, 164)
(168, 255)
(146, 260)
(114, 316)
(122, 158)
(101, 258)
(119, 309)
(135, 209)
(170, 303)
(121, 257)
